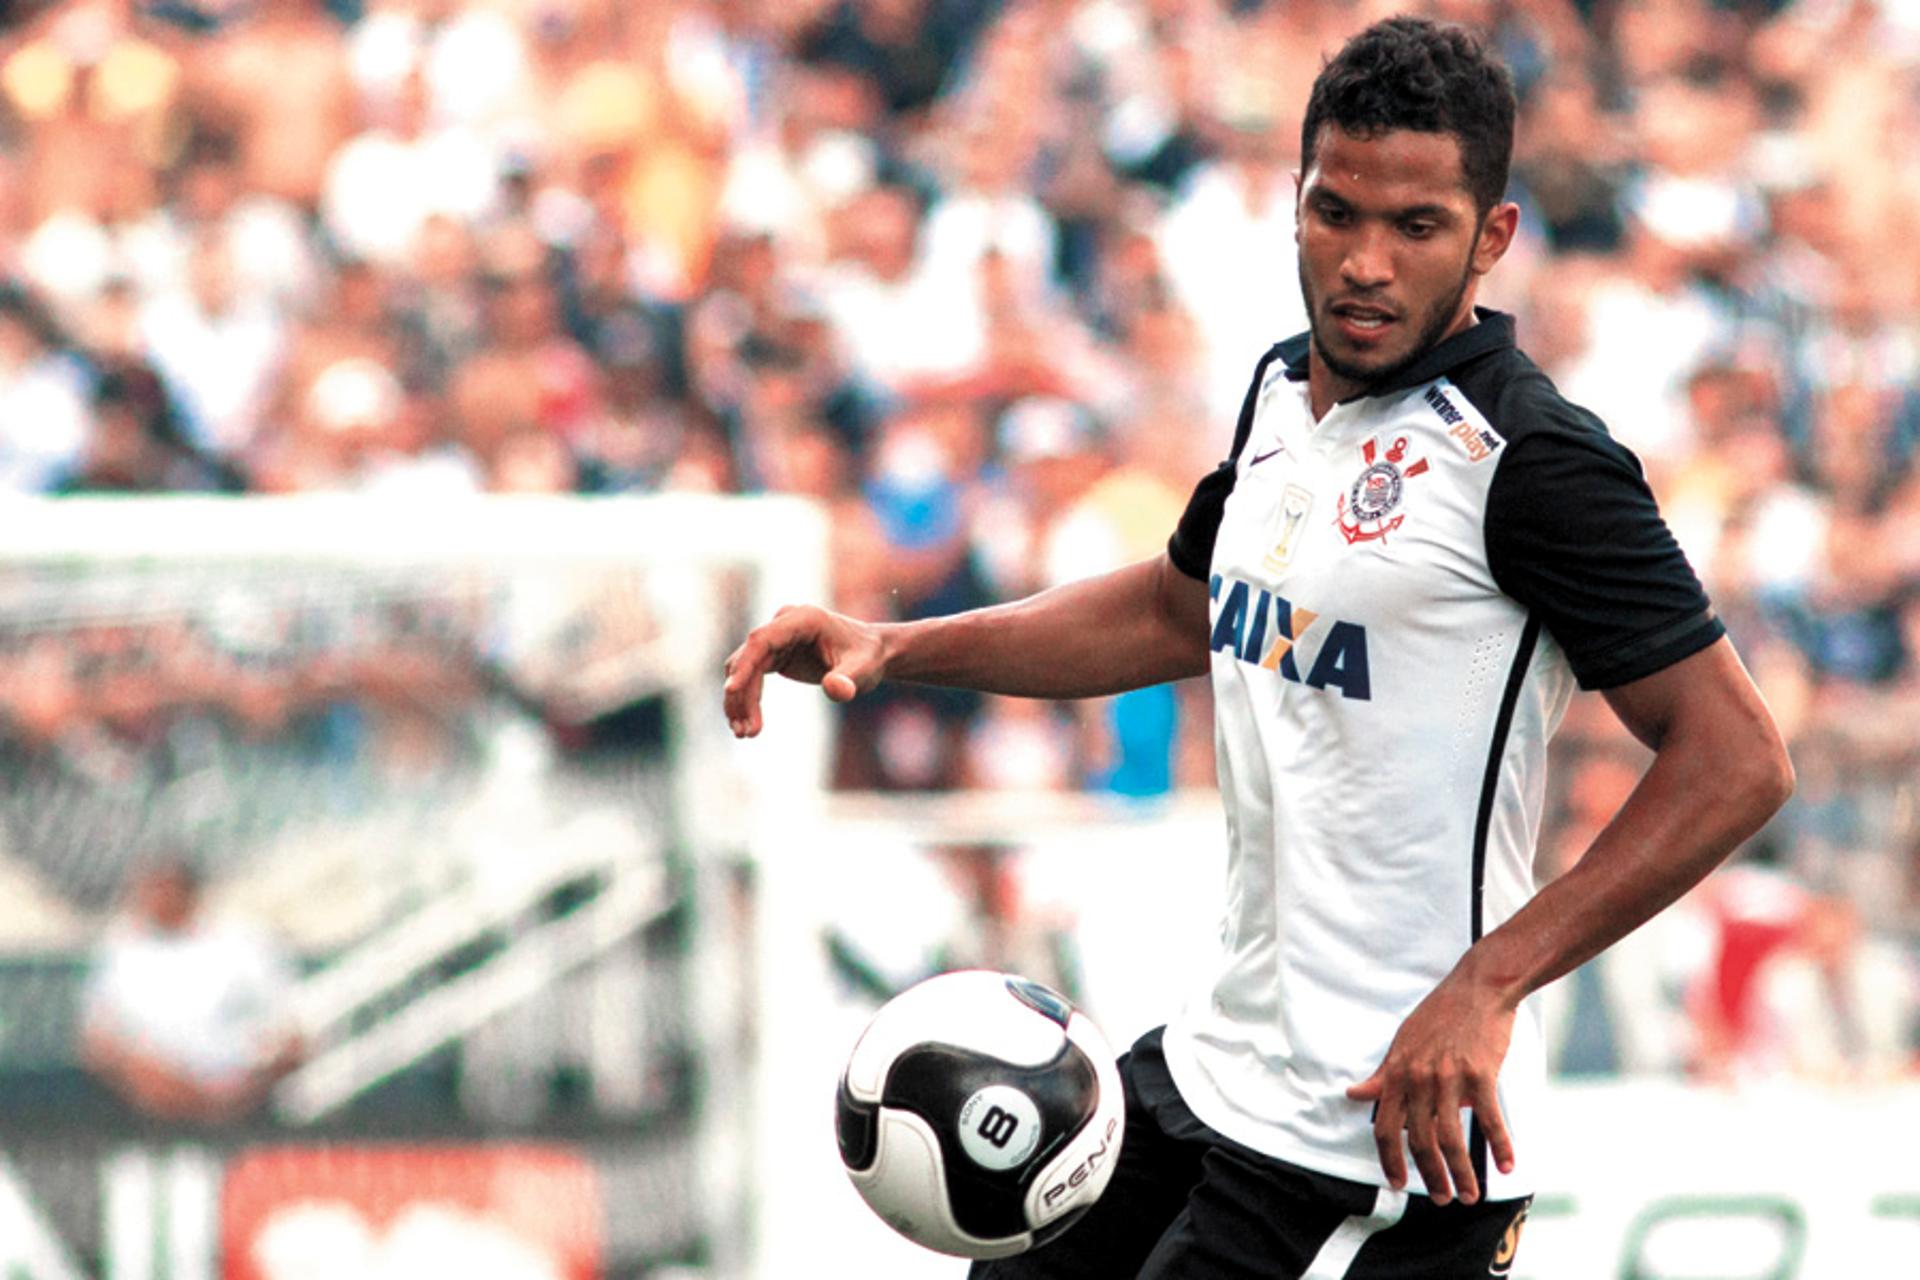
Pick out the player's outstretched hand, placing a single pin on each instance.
(842, 655)
(1446, 1056)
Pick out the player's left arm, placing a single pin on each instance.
(1719, 772)
(1574, 534)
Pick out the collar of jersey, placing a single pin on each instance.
(1494, 332)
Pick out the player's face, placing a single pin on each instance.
(1391, 249)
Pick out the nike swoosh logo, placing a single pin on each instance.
(1263, 457)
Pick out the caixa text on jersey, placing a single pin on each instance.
(1265, 629)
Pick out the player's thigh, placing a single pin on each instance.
(1149, 1188)
(1444, 1242)
(1251, 1218)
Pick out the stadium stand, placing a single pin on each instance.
(983, 278)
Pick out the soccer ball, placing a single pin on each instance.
(980, 1114)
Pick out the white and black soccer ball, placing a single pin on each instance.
(980, 1114)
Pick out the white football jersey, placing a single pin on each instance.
(1404, 594)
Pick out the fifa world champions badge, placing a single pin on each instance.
(1295, 503)
(1370, 508)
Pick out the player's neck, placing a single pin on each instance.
(1325, 388)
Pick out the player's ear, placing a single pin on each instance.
(1497, 230)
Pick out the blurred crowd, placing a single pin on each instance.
(986, 277)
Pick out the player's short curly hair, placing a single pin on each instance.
(1433, 77)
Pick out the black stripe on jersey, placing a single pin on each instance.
(1490, 781)
(1483, 820)
(1243, 425)
(1658, 650)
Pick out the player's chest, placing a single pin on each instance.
(1376, 509)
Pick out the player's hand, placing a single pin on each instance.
(1446, 1056)
(843, 656)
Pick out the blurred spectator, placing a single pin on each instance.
(531, 461)
(901, 326)
(792, 179)
(1622, 1011)
(401, 169)
(825, 247)
(986, 208)
(264, 233)
(43, 399)
(917, 490)
(219, 350)
(529, 374)
(1571, 163)
(95, 84)
(277, 81)
(135, 445)
(1794, 986)
(185, 1017)
(1652, 315)
(905, 48)
(1227, 245)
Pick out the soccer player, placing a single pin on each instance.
(1415, 551)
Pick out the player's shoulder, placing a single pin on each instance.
(1284, 360)
(1511, 395)
(1520, 401)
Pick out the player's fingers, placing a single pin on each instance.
(839, 686)
(1452, 1138)
(766, 647)
(1485, 1101)
(1390, 1137)
(750, 694)
(753, 653)
(732, 694)
(1369, 1089)
(741, 694)
(1424, 1143)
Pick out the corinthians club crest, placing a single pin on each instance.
(1371, 507)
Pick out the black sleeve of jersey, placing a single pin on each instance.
(1191, 546)
(1573, 533)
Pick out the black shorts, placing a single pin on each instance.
(1187, 1203)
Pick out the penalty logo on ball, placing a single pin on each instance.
(999, 1127)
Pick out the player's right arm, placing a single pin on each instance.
(1136, 626)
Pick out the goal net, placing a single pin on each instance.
(458, 777)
